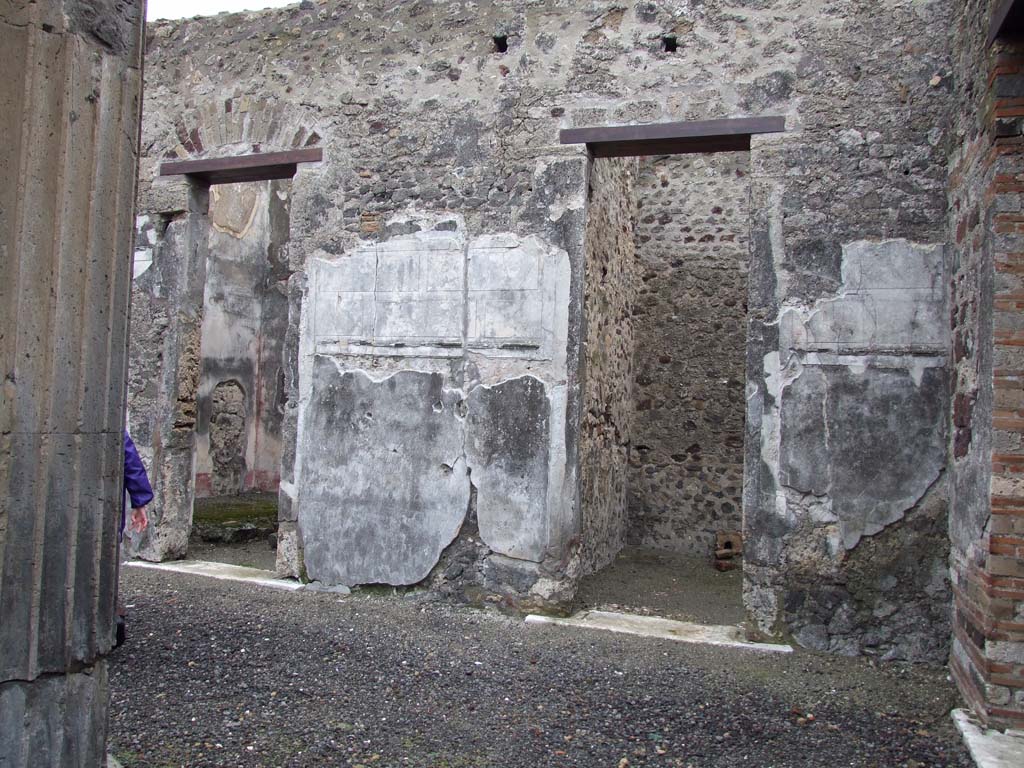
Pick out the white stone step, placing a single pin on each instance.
(665, 629)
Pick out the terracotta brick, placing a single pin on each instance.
(1006, 524)
(1007, 504)
(1006, 581)
(1007, 463)
(1009, 550)
(1006, 338)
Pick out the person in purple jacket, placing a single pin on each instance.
(136, 483)
(140, 492)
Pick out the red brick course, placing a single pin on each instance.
(986, 183)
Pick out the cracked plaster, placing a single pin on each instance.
(493, 418)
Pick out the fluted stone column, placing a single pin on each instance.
(69, 117)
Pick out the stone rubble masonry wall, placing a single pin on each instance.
(425, 124)
(610, 292)
(686, 466)
(70, 99)
(986, 451)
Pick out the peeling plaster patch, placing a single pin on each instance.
(508, 429)
(777, 379)
(504, 420)
(562, 201)
(892, 298)
(233, 212)
(389, 491)
(401, 297)
(288, 489)
(826, 451)
(875, 353)
(142, 261)
(778, 243)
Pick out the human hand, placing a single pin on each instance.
(139, 520)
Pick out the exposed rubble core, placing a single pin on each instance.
(610, 295)
(686, 468)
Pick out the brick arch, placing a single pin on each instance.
(239, 124)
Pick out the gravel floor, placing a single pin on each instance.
(666, 584)
(222, 674)
(252, 554)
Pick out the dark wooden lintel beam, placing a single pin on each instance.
(738, 143)
(672, 138)
(1007, 20)
(259, 166)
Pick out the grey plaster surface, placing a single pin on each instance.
(388, 491)
(507, 450)
(870, 483)
(892, 297)
(484, 320)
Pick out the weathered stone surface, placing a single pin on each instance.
(69, 114)
(168, 411)
(507, 449)
(384, 483)
(289, 551)
(609, 295)
(58, 720)
(227, 438)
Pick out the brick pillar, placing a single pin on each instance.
(988, 352)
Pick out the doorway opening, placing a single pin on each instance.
(241, 393)
(662, 427)
(684, 478)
